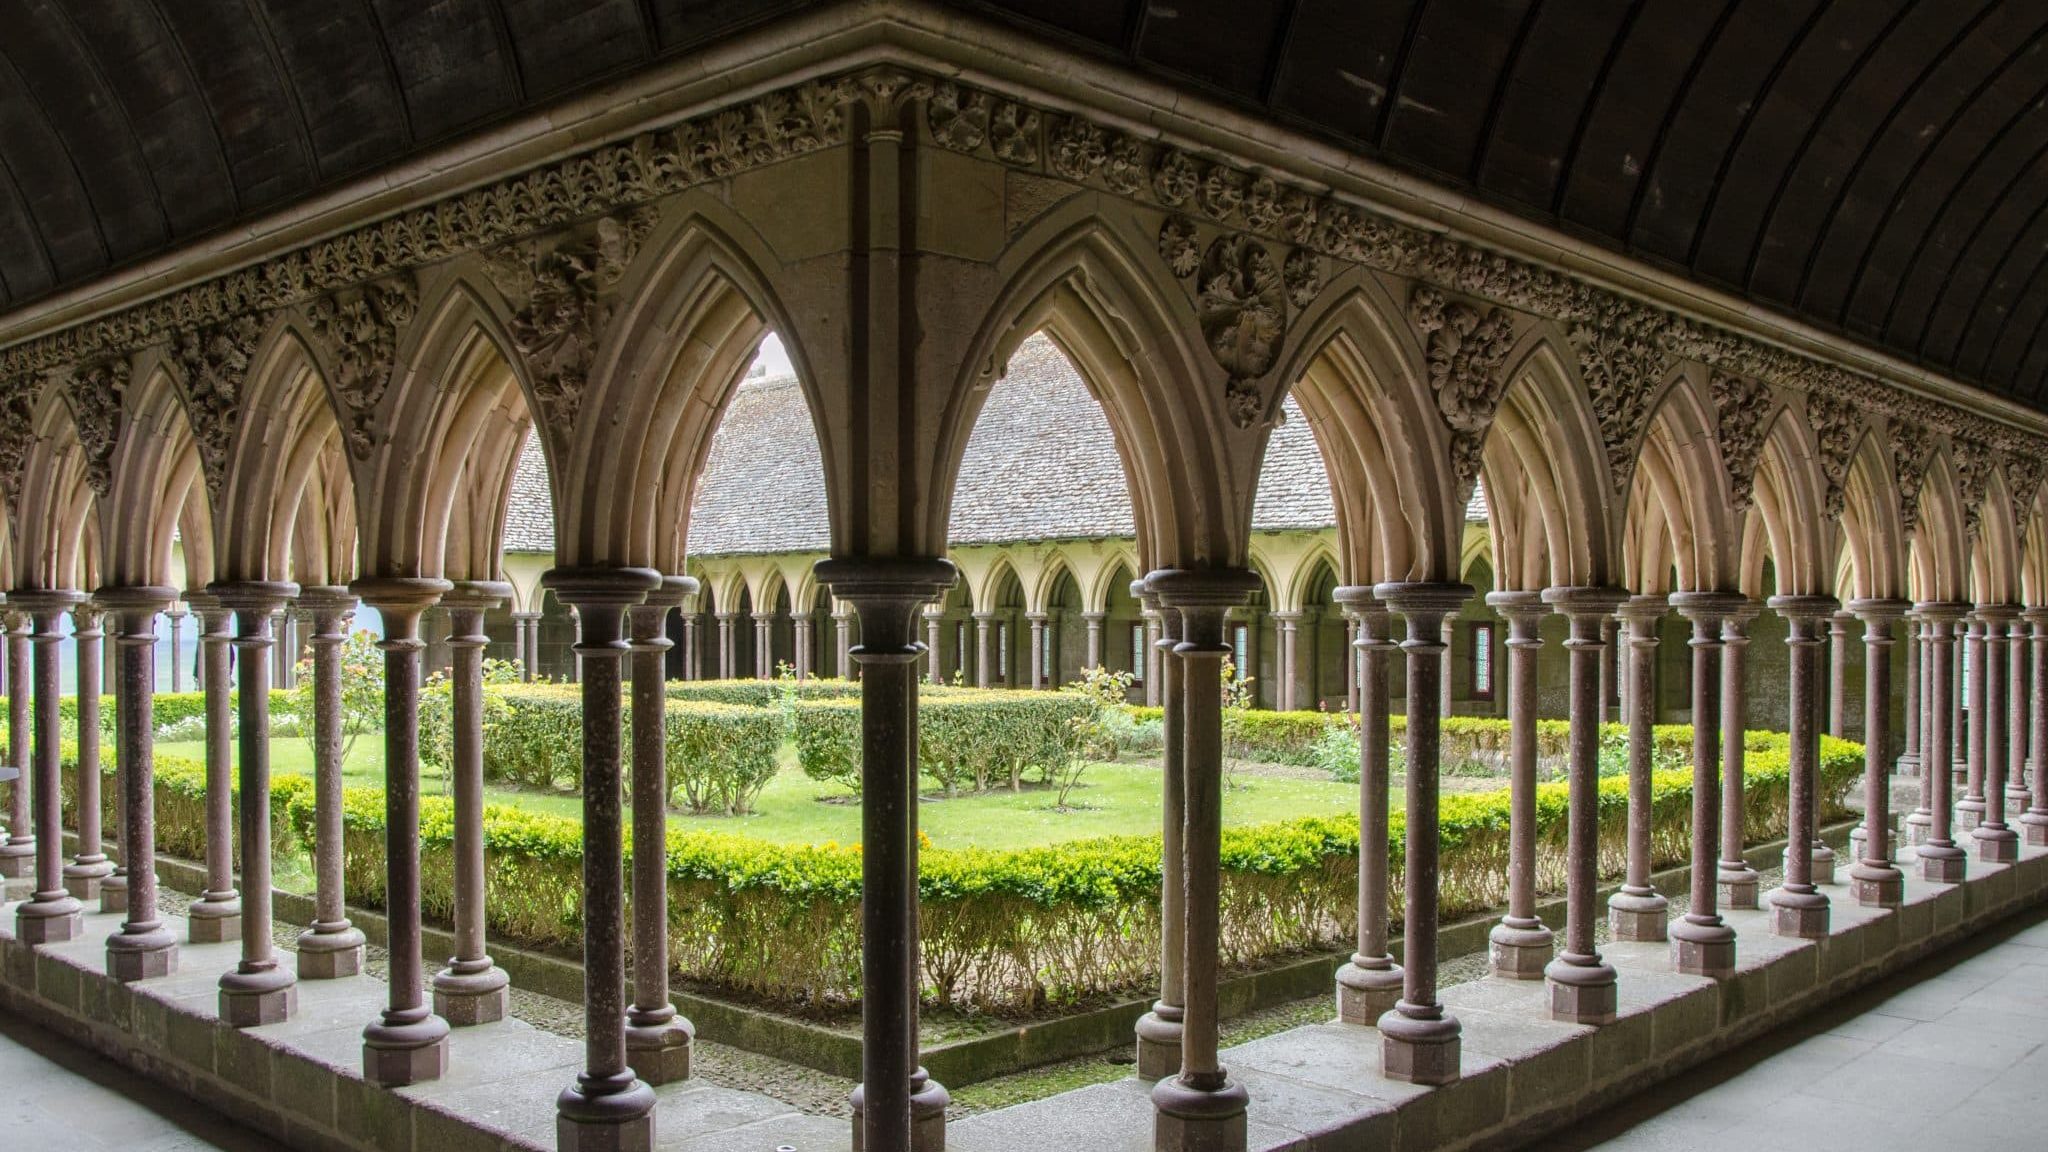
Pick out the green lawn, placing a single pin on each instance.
(1113, 799)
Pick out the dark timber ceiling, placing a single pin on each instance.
(1879, 167)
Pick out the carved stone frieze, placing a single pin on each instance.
(1466, 348)
(1622, 362)
(1912, 449)
(1179, 246)
(361, 328)
(958, 119)
(1013, 133)
(565, 310)
(1973, 476)
(1835, 424)
(1078, 149)
(1740, 405)
(1242, 305)
(2023, 477)
(215, 364)
(96, 394)
(17, 433)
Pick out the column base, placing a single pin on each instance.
(251, 999)
(214, 921)
(466, 998)
(616, 1121)
(1737, 887)
(660, 1053)
(1877, 885)
(1637, 914)
(1918, 825)
(1824, 861)
(1996, 844)
(17, 859)
(142, 955)
(114, 894)
(1158, 1038)
(86, 881)
(330, 955)
(50, 921)
(2034, 828)
(928, 1103)
(1519, 949)
(407, 1050)
(1186, 1119)
(1366, 994)
(1943, 864)
(1420, 1051)
(1908, 764)
(2017, 799)
(1800, 915)
(1969, 813)
(1582, 991)
(1703, 949)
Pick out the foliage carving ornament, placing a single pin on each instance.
(96, 396)
(1243, 310)
(215, 362)
(1973, 475)
(361, 328)
(1835, 425)
(1912, 448)
(958, 120)
(558, 330)
(17, 432)
(1179, 247)
(1013, 133)
(1078, 149)
(2023, 476)
(1466, 349)
(1622, 362)
(1740, 404)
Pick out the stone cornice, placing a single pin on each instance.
(1273, 223)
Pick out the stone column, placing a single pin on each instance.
(1610, 655)
(1289, 626)
(1638, 911)
(726, 656)
(332, 947)
(1702, 944)
(1201, 1107)
(1941, 860)
(1799, 907)
(658, 1040)
(1925, 694)
(1875, 880)
(526, 641)
(1970, 809)
(842, 629)
(1447, 691)
(1040, 674)
(177, 615)
(800, 643)
(984, 650)
(1159, 1031)
(1094, 622)
(897, 1107)
(1370, 985)
(1419, 1039)
(1959, 730)
(144, 947)
(1520, 945)
(1908, 762)
(259, 990)
(934, 662)
(217, 915)
(471, 989)
(2035, 820)
(18, 854)
(407, 1043)
(764, 645)
(89, 867)
(51, 914)
(2017, 795)
(1582, 984)
(1154, 658)
(1996, 841)
(693, 665)
(1838, 673)
(1735, 881)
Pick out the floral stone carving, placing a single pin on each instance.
(1465, 349)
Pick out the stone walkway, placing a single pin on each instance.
(1951, 1054)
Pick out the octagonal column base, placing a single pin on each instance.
(330, 955)
(114, 894)
(660, 1054)
(85, 882)
(1945, 864)
(1520, 950)
(406, 1052)
(17, 861)
(928, 1102)
(1737, 888)
(467, 998)
(1824, 861)
(1638, 914)
(1366, 994)
(1158, 1035)
(214, 921)
(1703, 949)
(1917, 827)
(49, 921)
(1190, 1119)
(1420, 1051)
(1799, 915)
(1582, 991)
(1877, 887)
(2034, 829)
(618, 1121)
(252, 999)
(1968, 814)
(144, 956)
(1996, 845)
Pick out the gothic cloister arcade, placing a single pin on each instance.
(1740, 497)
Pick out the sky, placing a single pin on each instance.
(775, 357)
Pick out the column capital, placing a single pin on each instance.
(1872, 609)
(1995, 613)
(2037, 616)
(133, 606)
(889, 593)
(45, 602)
(1514, 604)
(763, 617)
(1644, 607)
(1359, 603)
(1585, 602)
(1294, 616)
(1711, 607)
(253, 596)
(1094, 617)
(1804, 609)
(1422, 599)
(1185, 588)
(400, 600)
(475, 595)
(1942, 611)
(325, 602)
(213, 615)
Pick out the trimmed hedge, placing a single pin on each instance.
(967, 740)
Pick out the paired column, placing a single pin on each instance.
(1799, 907)
(984, 650)
(526, 642)
(1155, 655)
(842, 640)
(51, 913)
(1838, 673)
(1638, 911)
(1582, 984)
(1920, 742)
(2034, 823)
(1941, 860)
(217, 915)
(1371, 984)
(89, 867)
(1996, 842)
(1289, 626)
(1094, 622)
(18, 854)
(177, 617)
(259, 990)
(897, 1107)
(1702, 944)
(2017, 794)
(801, 641)
(658, 1040)
(726, 669)
(1908, 762)
(1520, 945)
(1970, 809)
(408, 1043)
(1201, 1107)
(144, 947)
(1159, 1031)
(331, 947)
(1875, 880)
(1040, 674)
(471, 989)
(764, 645)
(1735, 881)
(934, 666)
(693, 667)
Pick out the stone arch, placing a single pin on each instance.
(1545, 434)
(288, 437)
(1001, 572)
(1995, 552)
(1873, 537)
(1303, 579)
(1116, 572)
(57, 521)
(1038, 597)
(2034, 552)
(158, 484)
(1678, 510)
(1787, 515)
(1939, 550)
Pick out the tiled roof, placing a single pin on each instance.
(1040, 465)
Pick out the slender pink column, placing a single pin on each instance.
(1908, 763)
(1996, 842)
(332, 946)
(144, 947)
(471, 989)
(2017, 726)
(1875, 880)
(18, 854)
(89, 867)
(1159, 1031)
(1918, 633)
(51, 914)
(1582, 984)
(1736, 882)
(216, 916)
(1969, 810)
(407, 1043)
(658, 1039)
(259, 990)
(1702, 944)
(1940, 859)
(1799, 907)
(2034, 822)
(1638, 911)
(1520, 946)
(1370, 985)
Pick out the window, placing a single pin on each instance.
(1482, 660)
(1138, 660)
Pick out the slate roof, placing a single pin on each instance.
(1040, 465)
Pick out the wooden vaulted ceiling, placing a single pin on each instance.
(1876, 167)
